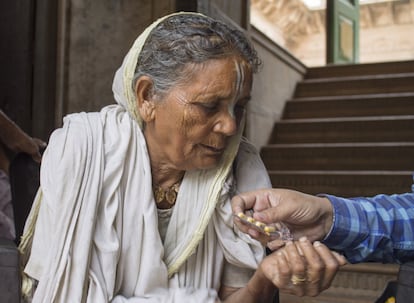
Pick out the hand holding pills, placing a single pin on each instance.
(269, 232)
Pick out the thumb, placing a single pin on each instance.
(238, 204)
(275, 212)
(271, 215)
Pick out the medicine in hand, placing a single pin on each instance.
(273, 231)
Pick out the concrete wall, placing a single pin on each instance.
(272, 87)
(94, 37)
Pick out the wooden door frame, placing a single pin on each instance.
(335, 10)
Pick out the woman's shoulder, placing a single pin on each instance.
(247, 150)
(249, 169)
(84, 124)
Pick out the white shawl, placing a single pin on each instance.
(96, 237)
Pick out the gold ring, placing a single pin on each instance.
(296, 280)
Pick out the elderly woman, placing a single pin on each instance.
(134, 204)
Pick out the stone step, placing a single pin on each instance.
(350, 106)
(347, 70)
(339, 156)
(354, 129)
(357, 85)
(344, 183)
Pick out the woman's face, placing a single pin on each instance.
(193, 122)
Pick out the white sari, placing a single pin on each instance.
(96, 236)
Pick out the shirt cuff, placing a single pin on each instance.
(342, 232)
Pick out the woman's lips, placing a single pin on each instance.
(216, 150)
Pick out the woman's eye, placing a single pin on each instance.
(209, 107)
(239, 109)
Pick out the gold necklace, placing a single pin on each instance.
(169, 195)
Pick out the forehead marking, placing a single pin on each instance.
(238, 86)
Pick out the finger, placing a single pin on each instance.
(252, 232)
(39, 142)
(238, 204)
(241, 225)
(331, 264)
(340, 258)
(246, 227)
(268, 211)
(280, 272)
(262, 238)
(37, 146)
(275, 244)
(257, 200)
(295, 259)
(322, 266)
(298, 268)
(37, 157)
(315, 272)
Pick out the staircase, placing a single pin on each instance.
(347, 131)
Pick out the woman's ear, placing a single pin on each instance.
(143, 91)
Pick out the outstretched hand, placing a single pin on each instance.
(304, 215)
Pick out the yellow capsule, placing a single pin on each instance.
(269, 229)
(260, 224)
(241, 215)
(251, 220)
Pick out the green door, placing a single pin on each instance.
(342, 31)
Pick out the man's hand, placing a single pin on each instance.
(304, 215)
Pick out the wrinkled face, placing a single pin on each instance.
(193, 122)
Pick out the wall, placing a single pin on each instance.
(272, 87)
(94, 37)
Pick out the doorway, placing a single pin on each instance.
(386, 28)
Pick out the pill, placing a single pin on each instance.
(269, 229)
(251, 220)
(260, 224)
(241, 215)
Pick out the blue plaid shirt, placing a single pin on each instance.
(379, 228)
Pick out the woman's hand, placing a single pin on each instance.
(302, 268)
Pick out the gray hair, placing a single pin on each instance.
(189, 38)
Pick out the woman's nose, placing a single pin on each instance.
(226, 124)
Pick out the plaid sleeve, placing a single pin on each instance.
(379, 228)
